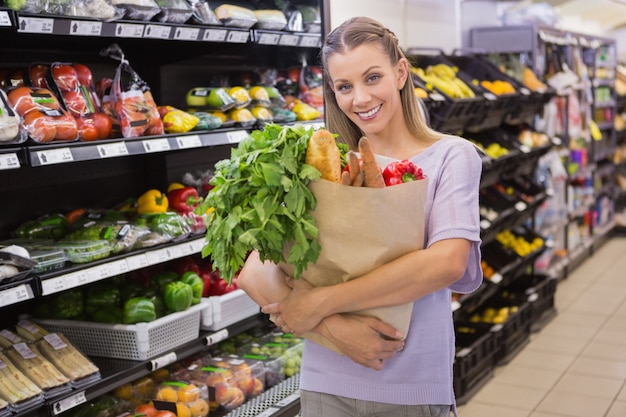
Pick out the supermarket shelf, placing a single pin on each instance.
(12, 158)
(18, 291)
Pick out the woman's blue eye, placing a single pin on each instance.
(343, 87)
(373, 77)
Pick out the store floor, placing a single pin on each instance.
(575, 366)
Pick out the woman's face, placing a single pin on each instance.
(367, 88)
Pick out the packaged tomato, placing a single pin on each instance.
(132, 101)
(74, 84)
(43, 117)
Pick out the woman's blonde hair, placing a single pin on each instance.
(347, 36)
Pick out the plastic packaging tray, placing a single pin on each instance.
(48, 259)
(81, 251)
(229, 309)
(139, 341)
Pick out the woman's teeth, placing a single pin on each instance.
(369, 113)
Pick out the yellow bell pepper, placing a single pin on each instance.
(175, 186)
(152, 201)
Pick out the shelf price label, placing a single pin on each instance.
(137, 262)
(53, 285)
(215, 35)
(217, 337)
(455, 305)
(236, 36)
(186, 34)
(496, 278)
(158, 256)
(520, 206)
(16, 294)
(157, 32)
(35, 25)
(69, 403)
(85, 28)
(5, 19)
(236, 136)
(196, 246)
(269, 39)
(189, 141)
(309, 41)
(163, 361)
(55, 156)
(289, 40)
(9, 161)
(156, 145)
(437, 97)
(112, 150)
(129, 30)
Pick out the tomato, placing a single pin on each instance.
(21, 99)
(17, 78)
(103, 124)
(66, 128)
(75, 103)
(87, 129)
(40, 127)
(37, 75)
(45, 98)
(84, 74)
(164, 413)
(103, 87)
(65, 77)
(148, 409)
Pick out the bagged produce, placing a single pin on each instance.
(174, 11)
(138, 9)
(10, 128)
(131, 101)
(270, 19)
(235, 16)
(96, 9)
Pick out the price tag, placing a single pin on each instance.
(289, 40)
(309, 41)
(496, 328)
(129, 30)
(53, 285)
(175, 252)
(485, 224)
(35, 25)
(455, 305)
(525, 148)
(85, 28)
(268, 412)
(237, 36)
(186, 34)
(158, 256)
(112, 150)
(269, 39)
(69, 403)
(187, 142)
(163, 361)
(157, 32)
(82, 278)
(9, 161)
(490, 96)
(525, 91)
(137, 262)
(55, 156)
(55, 341)
(156, 145)
(496, 278)
(215, 35)
(533, 297)
(236, 136)
(217, 337)
(196, 246)
(118, 267)
(520, 206)
(463, 352)
(437, 97)
(5, 19)
(16, 294)
(557, 141)
(287, 400)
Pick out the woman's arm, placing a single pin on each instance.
(403, 280)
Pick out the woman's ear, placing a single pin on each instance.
(403, 72)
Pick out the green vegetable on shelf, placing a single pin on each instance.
(178, 296)
(67, 305)
(107, 314)
(161, 279)
(100, 296)
(130, 289)
(49, 226)
(138, 310)
(196, 283)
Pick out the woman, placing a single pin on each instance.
(382, 374)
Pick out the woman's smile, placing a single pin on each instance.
(369, 114)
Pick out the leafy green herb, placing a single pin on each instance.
(261, 202)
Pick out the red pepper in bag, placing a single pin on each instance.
(184, 200)
(402, 171)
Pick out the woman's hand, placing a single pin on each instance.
(366, 340)
(299, 312)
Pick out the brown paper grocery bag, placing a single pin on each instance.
(360, 229)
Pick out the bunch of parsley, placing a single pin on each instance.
(261, 202)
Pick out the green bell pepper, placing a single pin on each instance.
(196, 283)
(178, 296)
(163, 278)
(67, 305)
(138, 310)
(107, 314)
(130, 289)
(100, 296)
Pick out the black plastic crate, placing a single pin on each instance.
(504, 261)
(448, 114)
(500, 106)
(474, 360)
(539, 291)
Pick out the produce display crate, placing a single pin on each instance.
(504, 164)
(499, 107)
(504, 261)
(539, 291)
(229, 309)
(139, 341)
(447, 114)
(474, 361)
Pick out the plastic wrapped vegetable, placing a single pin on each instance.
(207, 121)
(270, 19)
(235, 16)
(176, 120)
(174, 11)
(202, 13)
(96, 9)
(138, 9)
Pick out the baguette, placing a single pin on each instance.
(323, 154)
(15, 387)
(372, 174)
(66, 359)
(36, 368)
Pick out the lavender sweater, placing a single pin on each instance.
(422, 372)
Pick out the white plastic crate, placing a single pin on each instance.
(139, 341)
(229, 309)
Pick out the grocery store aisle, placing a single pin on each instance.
(576, 365)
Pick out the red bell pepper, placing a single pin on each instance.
(399, 172)
(188, 263)
(184, 200)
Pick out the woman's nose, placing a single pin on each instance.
(361, 96)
